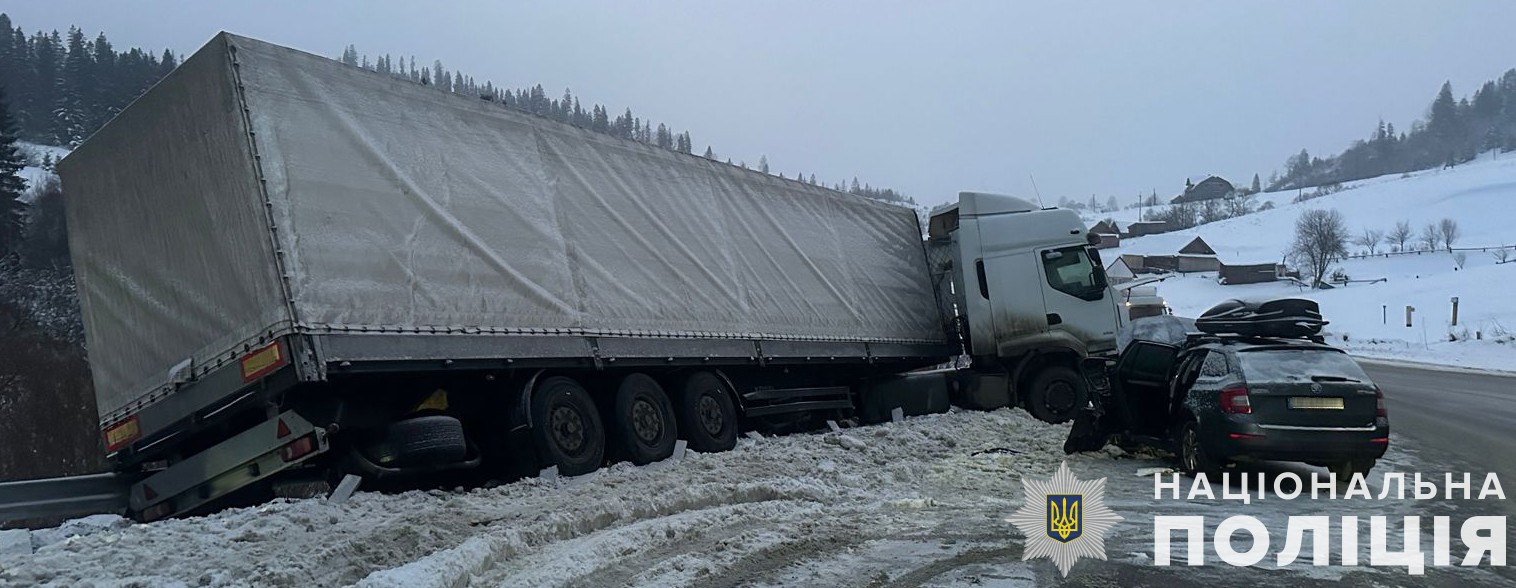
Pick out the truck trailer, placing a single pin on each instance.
(290, 268)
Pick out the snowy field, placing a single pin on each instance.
(34, 173)
(917, 503)
(1370, 318)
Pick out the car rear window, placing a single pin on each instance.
(1297, 365)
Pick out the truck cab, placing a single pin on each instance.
(1029, 297)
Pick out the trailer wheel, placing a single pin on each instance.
(566, 427)
(707, 415)
(1056, 394)
(644, 420)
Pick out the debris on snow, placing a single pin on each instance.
(1144, 472)
(345, 489)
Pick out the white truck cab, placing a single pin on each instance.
(1030, 295)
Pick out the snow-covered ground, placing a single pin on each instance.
(922, 502)
(1370, 318)
(33, 174)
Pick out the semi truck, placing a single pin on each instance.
(290, 267)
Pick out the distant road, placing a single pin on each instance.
(1465, 419)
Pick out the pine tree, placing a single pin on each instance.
(11, 184)
(1257, 186)
(709, 154)
(763, 163)
(70, 123)
(1444, 111)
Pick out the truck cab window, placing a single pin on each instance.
(1070, 271)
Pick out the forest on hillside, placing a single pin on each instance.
(1454, 131)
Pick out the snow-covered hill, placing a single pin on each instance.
(34, 172)
(1370, 318)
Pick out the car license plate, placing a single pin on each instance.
(1316, 403)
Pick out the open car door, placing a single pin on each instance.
(1137, 402)
(1141, 388)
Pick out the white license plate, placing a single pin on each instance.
(1316, 403)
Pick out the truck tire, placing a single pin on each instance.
(566, 427)
(1056, 394)
(434, 439)
(707, 416)
(644, 425)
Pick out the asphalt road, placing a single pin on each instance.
(1466, 420)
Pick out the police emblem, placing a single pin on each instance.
(1063, 518)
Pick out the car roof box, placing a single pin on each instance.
(1284, 317)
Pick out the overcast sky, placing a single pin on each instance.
(1109, 98)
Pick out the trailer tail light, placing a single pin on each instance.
(157, 511)
(122, 434)
(1235, 400)
(298, 448)
(263, 361)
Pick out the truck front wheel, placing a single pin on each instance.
(566, 427)
(644, 420)
(1056, 394)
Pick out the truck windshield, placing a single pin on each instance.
(1070, 271)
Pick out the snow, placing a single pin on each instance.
(768, 505)
(920, 502)
(1369, 319)
(34, 174)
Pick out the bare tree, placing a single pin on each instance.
(1459, 259)
(1370, 239)
(1502, 254)
(1240, 203)
(1182, 215)
(1450, 233)
(1431, 235)
(1400, 235)
(1321, 238)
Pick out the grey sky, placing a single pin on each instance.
(1108, 98)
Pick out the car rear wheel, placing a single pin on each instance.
(1345, 469)
(1193, 457)
(1056, 394)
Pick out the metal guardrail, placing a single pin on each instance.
(61, 497)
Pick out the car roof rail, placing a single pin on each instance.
(1198, 338)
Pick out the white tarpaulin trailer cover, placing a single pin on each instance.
(259, 191)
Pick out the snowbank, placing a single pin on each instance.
(768, 504)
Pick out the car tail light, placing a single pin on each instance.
(298, 448)
(1235, 401)
(1244, 436)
